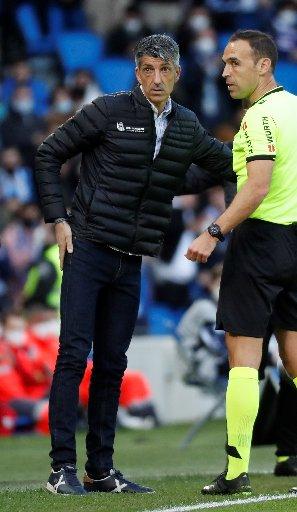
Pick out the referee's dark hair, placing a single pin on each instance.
(261, 43)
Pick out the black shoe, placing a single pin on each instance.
(113, 481)
(64, 481)
(220, 485)
(287, 467)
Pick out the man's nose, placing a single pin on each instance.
(157, 77)
(226, 71)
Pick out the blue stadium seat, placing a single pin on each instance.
(27, 20)
(60, 20)
(223, 38)
(39, 90)
(115, 74)
(286, 75)
(162, 319)
(79, 50)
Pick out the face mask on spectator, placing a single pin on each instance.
(64, 106)
(9, 168)
(78, 91)
(199, 22)
(47, 328)
(133, 25)
(205, 46)
(16, 337)
(29, 223)
(23, 106)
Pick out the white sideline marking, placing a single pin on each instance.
(225, 503)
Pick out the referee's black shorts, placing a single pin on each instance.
(259, 279)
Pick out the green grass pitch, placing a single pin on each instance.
(150, 457)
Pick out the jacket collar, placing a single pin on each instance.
(140, 98)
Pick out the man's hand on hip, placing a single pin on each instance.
(64, 240)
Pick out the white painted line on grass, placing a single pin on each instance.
(225, 503)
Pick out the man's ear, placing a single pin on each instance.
(177, 73)
(137, 75)
(264, 65)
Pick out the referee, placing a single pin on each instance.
(259, 281)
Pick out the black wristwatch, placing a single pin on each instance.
(215, 231)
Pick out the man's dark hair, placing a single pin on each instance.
(157, 45)
(262, 44)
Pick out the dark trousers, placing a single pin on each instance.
(99, 305)
(286, 418)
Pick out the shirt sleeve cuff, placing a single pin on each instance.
(260, 157)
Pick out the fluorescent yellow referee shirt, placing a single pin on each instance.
(269, 131)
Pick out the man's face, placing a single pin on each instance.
(157, 78)
(241, 71)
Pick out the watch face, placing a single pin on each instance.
(214, 230)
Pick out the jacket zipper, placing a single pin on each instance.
(149, 176)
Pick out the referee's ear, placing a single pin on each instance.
(264, 66)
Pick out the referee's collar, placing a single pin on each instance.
(276, 89)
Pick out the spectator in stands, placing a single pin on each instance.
(7, 276)
(162, 15)
(43, 325)
(215, 206)
(16, 180)
(21, 75)
(201, 346)
(136, 405)
(23, 240)
(172, 275)
(83, 88)
(122, 39)
(255, 14)
(22, 378)
(21, 127)
(43, 283)
(62, 102)
(285, 30)
(197, 20)
(11, 384)
(202, 81)
(223, 12)
(29, 360)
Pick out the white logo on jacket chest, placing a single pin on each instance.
(132, 129)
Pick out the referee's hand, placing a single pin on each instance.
(201, 248)
(64, 240)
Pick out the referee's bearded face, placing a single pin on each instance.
(241, 70)
(157, 78)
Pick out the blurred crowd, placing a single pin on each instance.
(58, 56)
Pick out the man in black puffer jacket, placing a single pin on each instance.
(136, 149)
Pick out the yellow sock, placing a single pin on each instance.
(242, 404)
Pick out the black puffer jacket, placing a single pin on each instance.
(124, 197)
